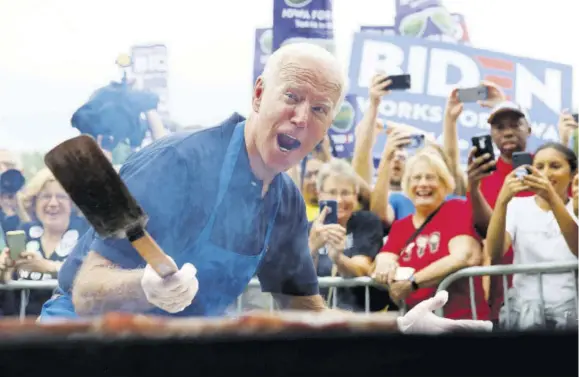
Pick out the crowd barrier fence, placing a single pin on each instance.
(503, 270)
(24, 286)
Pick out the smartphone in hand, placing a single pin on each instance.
(16, 241)
(403, 273)
(399, 82)
(332, 215)
(520, 159)
(484, 145)
(474, 94)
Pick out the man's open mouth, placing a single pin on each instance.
(287, 142)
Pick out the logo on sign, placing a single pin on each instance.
(297, 3)
(266, 41)
(345, 118)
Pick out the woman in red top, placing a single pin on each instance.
(447, 243)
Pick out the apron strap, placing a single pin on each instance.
(235, 145)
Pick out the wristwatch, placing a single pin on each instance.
(413, 282)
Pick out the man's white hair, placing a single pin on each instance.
(303, 49)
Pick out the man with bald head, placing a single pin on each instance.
(220, 206)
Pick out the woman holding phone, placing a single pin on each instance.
(540, 228)
(342, 240)
(425, 247)
(46, 240)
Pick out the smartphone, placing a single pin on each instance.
(399, 82)
(520, 159)
(576, 117)
(416, 141)
(16, 241)
(332, 216)
(473, 94)
(484, 145)
(403, 273)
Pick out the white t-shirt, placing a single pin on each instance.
(537, 238)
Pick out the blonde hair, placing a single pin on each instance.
(436, 162)
(298, 50)
(459, 177)
(33, 188)
(337, 168)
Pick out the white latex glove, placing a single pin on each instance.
(421, 320)
(174, 293)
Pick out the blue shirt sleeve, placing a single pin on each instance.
(158, 179)
(401, 204)
(288, 268)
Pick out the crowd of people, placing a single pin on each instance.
(409, 223)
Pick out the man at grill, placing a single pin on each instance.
(221, 208)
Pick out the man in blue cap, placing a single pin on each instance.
(11, 182)
(221, 207)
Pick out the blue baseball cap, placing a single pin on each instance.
(11, 181)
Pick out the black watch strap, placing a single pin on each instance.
(413, 282)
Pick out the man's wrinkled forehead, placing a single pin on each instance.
(309, 72)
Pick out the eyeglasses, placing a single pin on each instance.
(429, 178)
(48, 196)
(341, 193)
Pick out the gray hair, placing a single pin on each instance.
(303, 49)
(337, 168)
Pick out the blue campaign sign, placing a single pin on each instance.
(342, 130)
(380, 29)
(543, 88)
(303, 21)
(262, 51)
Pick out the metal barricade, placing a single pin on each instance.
(324, 282)
(504, 270)
(367, 282)
(25, 286)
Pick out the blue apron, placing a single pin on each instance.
(222, 274)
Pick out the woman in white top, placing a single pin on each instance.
(541, 228)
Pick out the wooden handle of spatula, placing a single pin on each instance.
(154, 255)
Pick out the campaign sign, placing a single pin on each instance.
(461, 32)
(426, 19)
(542, 87)
(150, 71)
(303, 21)
(262, 50)
(342, 130)
(386, 30)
